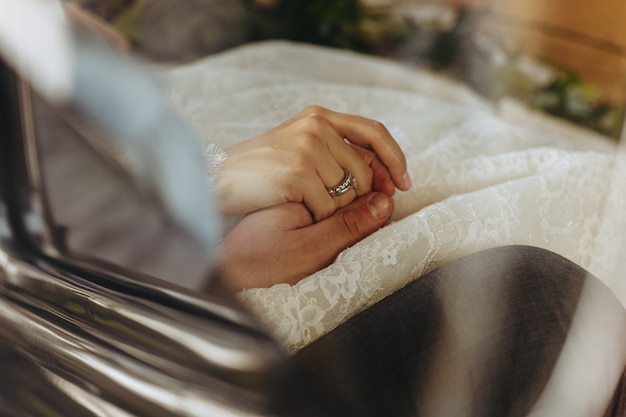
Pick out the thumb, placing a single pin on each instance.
(347, 226)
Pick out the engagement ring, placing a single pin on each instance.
(348, 182)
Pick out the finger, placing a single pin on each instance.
(333, 167)
(330, 156)
(344, 228)
(315, 188)
(347, 196)
(320, 202)
(381, 180)
(372, 134)
(336, 156)
(286, 217)
(349, 158)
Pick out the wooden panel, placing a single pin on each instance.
(602, 19)
(587, 37)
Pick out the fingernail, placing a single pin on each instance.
(407, 180)
(378, 206)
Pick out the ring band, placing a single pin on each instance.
(348, 182)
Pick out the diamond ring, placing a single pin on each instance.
(344, 186)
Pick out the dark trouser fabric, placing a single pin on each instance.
(478, 337)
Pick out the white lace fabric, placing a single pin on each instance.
(483, 175)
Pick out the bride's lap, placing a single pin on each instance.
(486, 335)
(479, 178)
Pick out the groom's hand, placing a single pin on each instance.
(282, 244)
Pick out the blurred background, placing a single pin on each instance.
(564, 57)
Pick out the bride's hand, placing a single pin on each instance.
(302, 158)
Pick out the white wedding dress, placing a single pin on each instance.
(484, 175)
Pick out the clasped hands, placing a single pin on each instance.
(281, 179)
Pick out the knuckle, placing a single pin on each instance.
(314, 119)
(352, 227)
(291, 184)
(326, 210)
(302, 215)
(379, 127)
(321, 208)
(314, 109)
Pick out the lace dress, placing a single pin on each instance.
(484, 175)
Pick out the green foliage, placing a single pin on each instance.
(337, 23)
(569, 98)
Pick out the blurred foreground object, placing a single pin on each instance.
(123, 99)
(100, 185)
(92, 22)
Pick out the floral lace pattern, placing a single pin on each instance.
(483, 175)
(214, 157)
